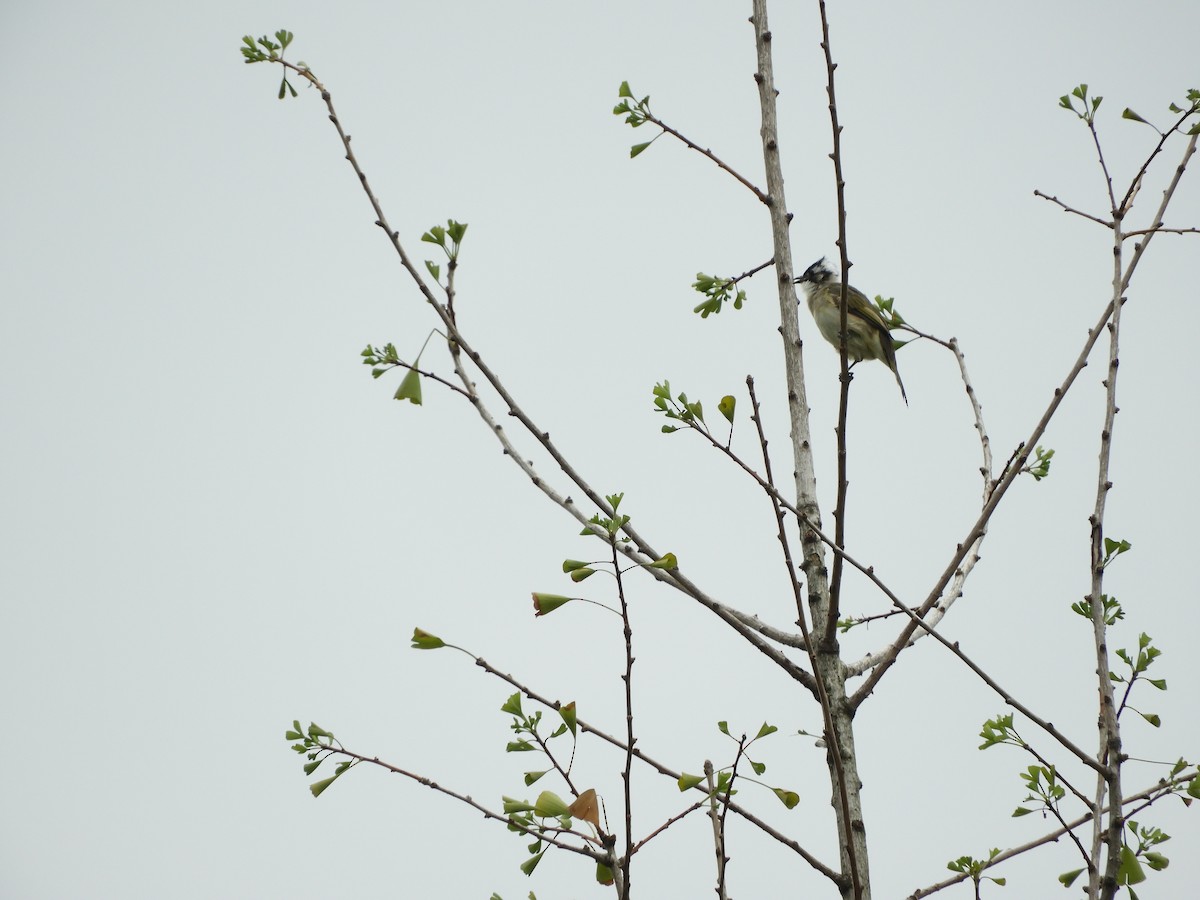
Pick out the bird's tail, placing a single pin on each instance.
(896, 372)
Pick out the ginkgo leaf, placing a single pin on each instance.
(586, 807)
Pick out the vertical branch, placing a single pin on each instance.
(839, 511)
(1107, 833)
(718, 826)
(629, 738)
(830, 671)
(1109, 752)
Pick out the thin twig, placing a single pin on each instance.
(667, 824)
(710, 155)
(748, 273)
(1130, 234)
(597, 855)
(1072, 210)
(630, 739)
(985, 442)
(829, 627)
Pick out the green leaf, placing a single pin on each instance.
(790, 799)
(765, 730)
(1130, 114)
(726, 407)
(567, 711)
(531, 777)
(1156, 861)
(544, 604)
(1115, 548)
(318, 787)
(550, 806)
(1193, 788)
(580, 574)
(410, 388)
(687, 781)
(1066, 879)
(622, 91)
(638, 148)
(423, 640)
(512, 705)
(1130, 870)
(667, 562)
(530, 864)
(570, 565)
(512, 807)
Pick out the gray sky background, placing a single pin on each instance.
(214, 521)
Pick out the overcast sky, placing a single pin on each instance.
(215, 521)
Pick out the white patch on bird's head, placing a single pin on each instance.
(816, 274)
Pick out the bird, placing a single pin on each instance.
(867, 335)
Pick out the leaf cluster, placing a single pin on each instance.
(636, 115)
(266, 50)
(717, 292)
(318, 745)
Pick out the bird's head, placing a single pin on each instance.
(817, 274)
